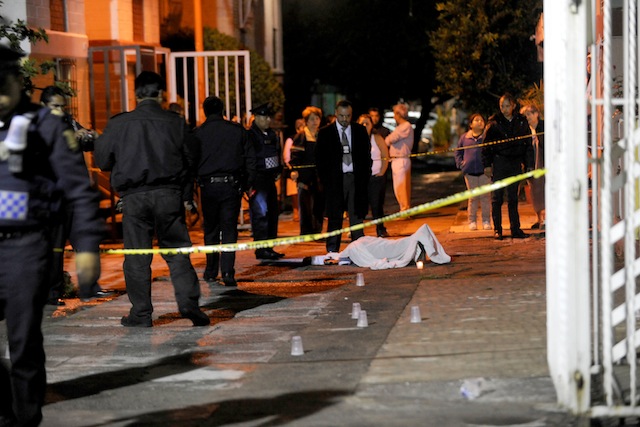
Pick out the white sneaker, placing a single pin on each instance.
(486, 226)
(473, 226)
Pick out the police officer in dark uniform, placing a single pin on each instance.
(263, 203)
(40, 163)
(151, 155)
(54, 98)
(226, 168)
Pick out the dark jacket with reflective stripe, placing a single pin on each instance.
(53, 169)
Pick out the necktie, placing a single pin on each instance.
(346, 151)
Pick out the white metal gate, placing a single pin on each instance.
(616, 336)
(593, 205)
(196, 75)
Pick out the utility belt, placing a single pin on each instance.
(7, 233)
(217, 179)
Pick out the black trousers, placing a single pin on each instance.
(335, 217)
(311, 209)
(377, 190)
(497, 199)
(160, 210)
(24, 286)
(60, 226)
(220, 210)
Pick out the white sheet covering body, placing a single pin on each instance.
(379, 253)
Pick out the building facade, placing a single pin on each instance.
(98, 46)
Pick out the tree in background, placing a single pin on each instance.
(533, 95)
(17, 32)
(264, 86)
(482, 49)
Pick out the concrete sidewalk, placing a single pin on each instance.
(483, 315)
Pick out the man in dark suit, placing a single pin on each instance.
(343, 162)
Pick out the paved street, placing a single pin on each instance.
(483, 315)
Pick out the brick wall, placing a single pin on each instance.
(75, 16)
(98, 19)
(38, 14)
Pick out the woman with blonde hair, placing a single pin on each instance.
(310, 196)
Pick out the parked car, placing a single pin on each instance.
(426, 136)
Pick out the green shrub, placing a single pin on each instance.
(264, 85)
(441, 130)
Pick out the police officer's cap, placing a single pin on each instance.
(263, 110)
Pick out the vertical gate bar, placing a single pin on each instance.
(92, 89)
(629, 82)
(185, 85)
(236, 73)
(595, 221)
(124, 96)
(107, 56)
(215, 77)
(247, 84)
(226, 81)
(206, 76)
(171, 71)
(196, 86)
(606, 248)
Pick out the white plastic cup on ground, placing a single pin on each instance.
(355, 310)
(415, 314)
(362, 319)
(359, 279)
(296, 346)
(472, 388)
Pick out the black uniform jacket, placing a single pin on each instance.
(53, 169)
(225, 149)
(507, 158)
(148, 148)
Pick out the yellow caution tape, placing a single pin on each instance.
(234, 247)
(435, 153)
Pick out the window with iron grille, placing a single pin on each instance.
(66, 73)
